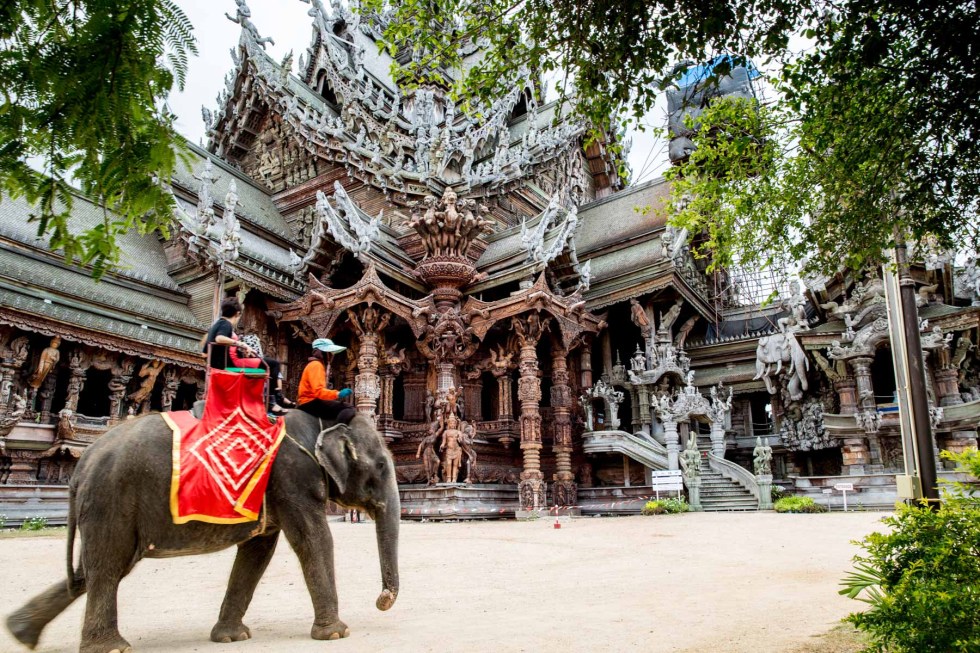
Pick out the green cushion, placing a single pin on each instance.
(255, 371)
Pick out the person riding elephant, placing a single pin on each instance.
(314, 395)
(119, 501)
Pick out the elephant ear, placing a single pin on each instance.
(334, 452)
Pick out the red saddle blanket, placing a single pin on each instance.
(221, 462)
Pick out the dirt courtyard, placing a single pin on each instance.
(714, 582)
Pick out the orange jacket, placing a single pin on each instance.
(313, 385)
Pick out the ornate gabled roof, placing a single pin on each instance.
(141, 258)
(255, 205)
(137, 308)
(404, 144)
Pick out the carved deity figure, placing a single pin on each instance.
(640, 319)
(469, 437)
(667, 319)
(427, 452)
(452, 449)
(149, 373)
(681, 338)
(430, 403)
(692, 459)
(762, 458)
(49, 358)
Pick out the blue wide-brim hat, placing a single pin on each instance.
(325, 344)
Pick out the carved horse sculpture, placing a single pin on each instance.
(775, 350)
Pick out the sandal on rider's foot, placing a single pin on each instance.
(278, 411)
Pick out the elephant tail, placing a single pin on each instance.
(76, 582)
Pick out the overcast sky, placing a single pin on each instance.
(287, 22)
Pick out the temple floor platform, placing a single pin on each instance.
(458, 501)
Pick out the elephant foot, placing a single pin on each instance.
(225, 633)
(336, 630)
(386, 599)
(114, 644)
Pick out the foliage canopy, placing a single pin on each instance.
(921, 579)
(873, 137)
(83, 88)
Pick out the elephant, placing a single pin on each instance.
(777, 349)
(119, 503)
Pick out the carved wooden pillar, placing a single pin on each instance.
(862, 374)
(505, 401)
(387, 403)
(76, 382)
(672, 440)
(607, 357)
(171, 381)
(46, 395)
(866, 402)
(947, 387)
(531, 489)
(561, 405)
(7, 374)
(585, 362)
(367, 386)
(368, 325)
(12, 358)
(846, 390)
(643, 404)
(121, 375)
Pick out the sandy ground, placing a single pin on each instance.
(696, 582)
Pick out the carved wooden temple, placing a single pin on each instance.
(526, 330)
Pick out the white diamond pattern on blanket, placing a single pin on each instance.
(230, 454)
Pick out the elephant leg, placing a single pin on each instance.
(250, 563)
(27, 623)
(313, 544)
(108, 555)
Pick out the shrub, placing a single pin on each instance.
(665, 506)
(34, 524)
(921, 579)
(798, 504)
(777, 493)
(3, 521)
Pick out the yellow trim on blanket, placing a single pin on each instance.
(257, 476)
(248, 516)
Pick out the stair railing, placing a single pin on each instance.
(734, 472)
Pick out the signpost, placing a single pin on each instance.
(844, 488)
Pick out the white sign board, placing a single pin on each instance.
(828, 490)
(845, 488)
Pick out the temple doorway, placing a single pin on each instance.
(93, 400)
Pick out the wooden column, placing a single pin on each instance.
(531, 489)
(76, 382)
(171, 382)
(866, 401)
(585, 362)
(561, 405)
(368, 325)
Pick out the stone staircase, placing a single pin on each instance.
(719, 493)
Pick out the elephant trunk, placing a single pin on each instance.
(386, 521)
